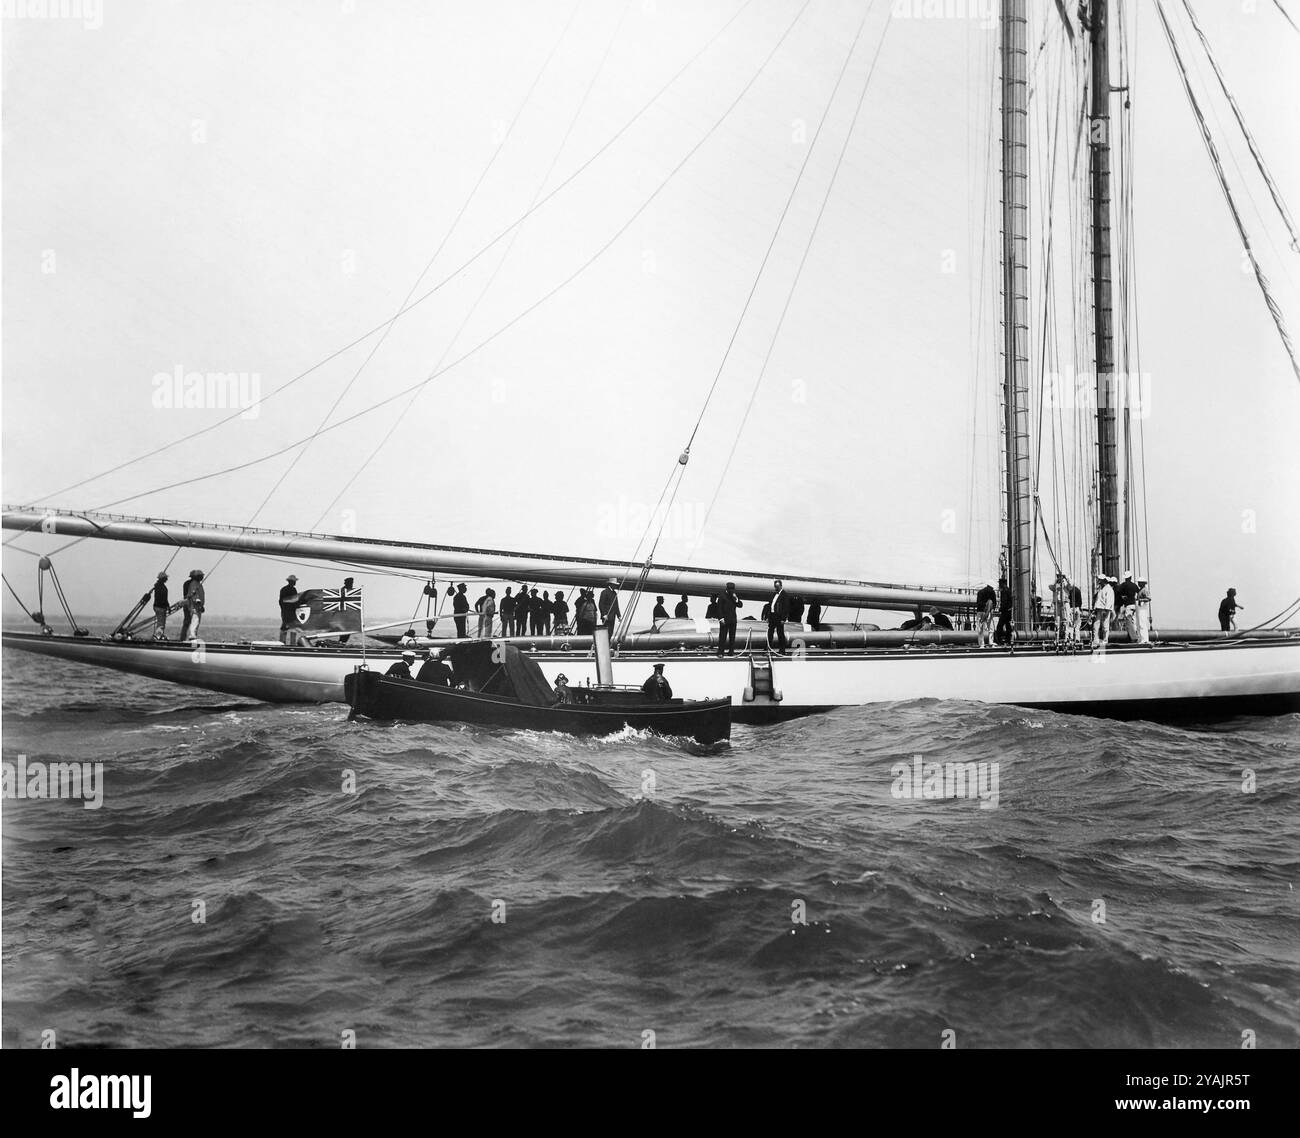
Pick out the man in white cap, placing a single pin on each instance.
(288, 603)
(1103, 608)
(401, 670)
(434, 670)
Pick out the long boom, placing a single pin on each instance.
(485, 563)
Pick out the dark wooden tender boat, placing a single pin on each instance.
(498, 686)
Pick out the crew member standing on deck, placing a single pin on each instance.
(1227, 612)
(1127, 597)
(195, 601)
(288, 603)
(814, 615)
(507, 614)
(460, 608)
(548, 612)
(1103, 608)
(986, 601)
(683, 609)
(560, 609)
(161, 604)
(660, 612)
(584, 613)
(1006, 611)
(778, 610)
(711, 613)
(728, 603)
(1076, 610)
(487, 614)
(1060, 605)
(1144, 611)
(521, 611)
(609, 610)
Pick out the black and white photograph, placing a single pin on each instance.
(636, 524)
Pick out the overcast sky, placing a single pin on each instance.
(249, 187)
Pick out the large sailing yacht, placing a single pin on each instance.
(1180, 676)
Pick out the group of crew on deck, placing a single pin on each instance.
(526, 613)
(1113, 600)
(193, 603)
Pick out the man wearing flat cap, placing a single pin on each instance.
(288, 605)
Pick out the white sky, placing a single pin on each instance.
(247, 187)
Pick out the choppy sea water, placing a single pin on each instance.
(503, 888)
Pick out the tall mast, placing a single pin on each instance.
(1015, 303)
(1102, 316)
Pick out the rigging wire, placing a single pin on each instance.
(455, 223)
(469, 315)
(1264, 173)
(379, 343)
(1213, 152)
(726, 355)
(839, 161)
(1285, 15)
(241, 412)
(505, 327)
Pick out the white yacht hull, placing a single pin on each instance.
(1169, 682)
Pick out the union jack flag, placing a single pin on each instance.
(329, 610)
(340, 600)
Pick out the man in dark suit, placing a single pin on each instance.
(460, 607)
(660, 612)
(728, 603)
(657, 686)
(609, 611)
(778, 611)
(434, 670)
(521, 611)
(584, 613)
(683, 609)
(402, 669)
